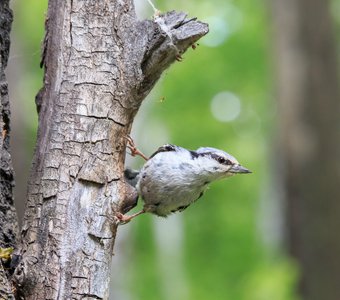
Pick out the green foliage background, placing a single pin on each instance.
(226, 245)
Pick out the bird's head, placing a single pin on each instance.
(219, 164)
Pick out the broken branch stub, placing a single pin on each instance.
(173, 33)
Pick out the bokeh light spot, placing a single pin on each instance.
(225, 106)
(219, 31)
(223, 22)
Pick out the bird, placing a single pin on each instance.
(174, 177)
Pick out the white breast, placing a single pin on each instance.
(170, 180)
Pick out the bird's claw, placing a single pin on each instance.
(121, 219)
(134, 150)
(178, 57)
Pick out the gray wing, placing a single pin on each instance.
(164, 148)
(131, 176)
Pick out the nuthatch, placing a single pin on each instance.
(174, 177)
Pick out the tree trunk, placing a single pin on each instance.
(100, 63)
(8, 218)
(309, 141)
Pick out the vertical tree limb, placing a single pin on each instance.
(100, 63)
(309, 145)
(8, 218)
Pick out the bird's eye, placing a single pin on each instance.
(221, 160)
(224, 161)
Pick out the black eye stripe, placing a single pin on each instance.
(221, 159)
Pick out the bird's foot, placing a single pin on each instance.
(134, 150)
(178, 57)
(122, 219)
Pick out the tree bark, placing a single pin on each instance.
(309, 140)
(100, 63)
(8, 218)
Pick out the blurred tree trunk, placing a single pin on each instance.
(309, 140)
(100, 63)
(8, 218)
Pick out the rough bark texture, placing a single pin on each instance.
(8, 219)
(100, 62)
(309, 109)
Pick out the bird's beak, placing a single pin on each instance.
(238, 169)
